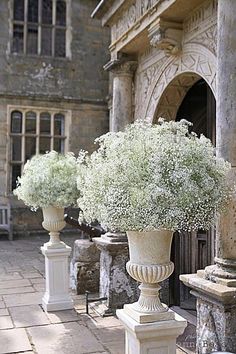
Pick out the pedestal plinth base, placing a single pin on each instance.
(145, 317)
(56, 305)
(115, 283)
(57, 295)
(216, 313)
(151, 338)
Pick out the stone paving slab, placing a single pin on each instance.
(39, 287)
(73, 338)
(2, 304)
(5, 322)
(95, 322)
(111, 334)
(30, 275)
(13, 341)
(9, 284)
(13, 276)
(4, 312)
(115, 347)
(63, 316)
(23, 299)
(28, 316)
(37, 280)
(26, 289)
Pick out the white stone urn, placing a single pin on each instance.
(53, 221)
(150, 264)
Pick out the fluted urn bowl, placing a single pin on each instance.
(53, 221)
(150, 264)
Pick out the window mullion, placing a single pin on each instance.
(53, 26)
(23, 139)
(40, 27)
(25, 26)
(37, 132)
(52, 132)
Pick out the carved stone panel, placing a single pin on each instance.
(157, 72)
(131, 16)
(195, 63)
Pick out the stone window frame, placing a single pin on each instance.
(39, 25)
(23, 135)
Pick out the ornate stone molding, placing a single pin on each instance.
(166, 36)
(121, 66)
(132, 16)
(208, 38)
(198, 63)
(203, 14)
(150, 276)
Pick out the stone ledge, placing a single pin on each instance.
(219, 292)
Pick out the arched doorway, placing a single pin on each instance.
(195, 250)
(188, 96)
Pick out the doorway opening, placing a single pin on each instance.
(192, 251)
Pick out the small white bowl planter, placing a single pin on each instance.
(56, 254)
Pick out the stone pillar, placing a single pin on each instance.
(226, 132)
(215, 287)
(115, 282)
(143, 337)
(84, 267)
(122, 105)
(57, 296)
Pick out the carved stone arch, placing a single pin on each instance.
(173, 96)
(176, 77)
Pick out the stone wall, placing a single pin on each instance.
(77, 84)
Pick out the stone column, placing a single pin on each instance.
(226, 132)
(215, 287)
(115, 283)
(123, 71)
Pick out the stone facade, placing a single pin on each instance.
(76, 84)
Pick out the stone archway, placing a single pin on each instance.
(173, 95)
(174, 79)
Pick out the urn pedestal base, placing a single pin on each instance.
(216, 312)
(115, 284)
(57, 295)
(151, 338)
(147, 317)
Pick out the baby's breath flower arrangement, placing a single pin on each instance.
(153, 177)
(48, 180)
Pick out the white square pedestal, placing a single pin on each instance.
(151, 338)
(57, 295)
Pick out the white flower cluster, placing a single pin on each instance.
(48, 180)
(153, 176)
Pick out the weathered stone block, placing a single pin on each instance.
(84, 269)
(216, 326)
(115, 282)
